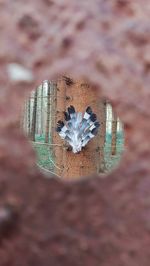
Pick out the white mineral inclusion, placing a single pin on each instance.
(19, 73)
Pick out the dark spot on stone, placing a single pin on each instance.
(147, 67)
(8, 219)
(122, 3)
(66, 42)
(80, 25)
(30, 26)
(48, 2)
